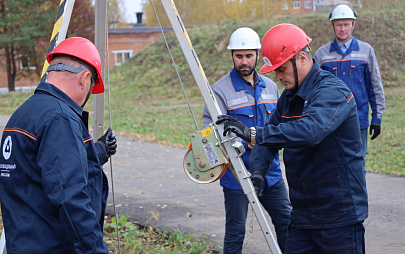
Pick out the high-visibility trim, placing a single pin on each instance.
(350, 98)
(244, 106)
(353, 59)
(87, 140)
(21, 131)
(289, 117)
(229, 109)
(275, 102)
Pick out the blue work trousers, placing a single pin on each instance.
(364, 137)
(341, 240)
(274, 200)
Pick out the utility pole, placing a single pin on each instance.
(100, 42)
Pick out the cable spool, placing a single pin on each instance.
(205, 160)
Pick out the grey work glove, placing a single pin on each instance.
(257, 179)
(109, 142)
(234, 125)
(375, 130)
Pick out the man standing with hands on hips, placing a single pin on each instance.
(354, 62)
(53, 190)
(251, 98)
(316, 123)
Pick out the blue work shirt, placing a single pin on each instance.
(319, 130)
(53, 191)
(358, 68)
(252, 107)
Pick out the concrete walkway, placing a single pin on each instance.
(152, 188)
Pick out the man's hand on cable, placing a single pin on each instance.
(375, 130)
(236, 126)
(257, 179)
(109, 142)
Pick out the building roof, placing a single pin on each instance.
(139, 30)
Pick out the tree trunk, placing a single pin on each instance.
(11, 67)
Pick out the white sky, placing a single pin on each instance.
(132, 6)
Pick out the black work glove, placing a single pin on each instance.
(109, 142)
(257, 179)
(236, 126)
(375, 130)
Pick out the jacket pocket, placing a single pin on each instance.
(243, 114)
(325, 198)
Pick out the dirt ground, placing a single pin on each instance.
(151, 187)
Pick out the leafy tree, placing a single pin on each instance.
(115, 14)
(21, 22)
(25, 31)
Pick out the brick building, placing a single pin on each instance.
(123, 43)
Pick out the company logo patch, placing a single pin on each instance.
(267, 61)
(7, 146)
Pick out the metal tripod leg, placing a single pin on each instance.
(3, 249)
(242, 174)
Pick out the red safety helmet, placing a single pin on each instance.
(280, 44)
(84, 50)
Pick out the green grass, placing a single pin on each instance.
(147, 100)
(386, 153)
(150, 239)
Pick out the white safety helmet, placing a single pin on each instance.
(244, 38)
(342, 12)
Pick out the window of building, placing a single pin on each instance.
(121, 56)
(308, 5)
(26, 63)
(285, 6)
(297, 5)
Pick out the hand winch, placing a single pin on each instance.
(206, 160)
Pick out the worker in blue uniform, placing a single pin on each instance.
(251, 98)
(354, 62)
(316, 123)
(53, 190)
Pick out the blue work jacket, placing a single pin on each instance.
(254, 108)
(53, 191)
(319, 130)
(358, 68)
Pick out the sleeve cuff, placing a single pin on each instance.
(259, 135)
(376, 121)
(101, 151)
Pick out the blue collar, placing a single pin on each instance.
(351, 45)
(239, 83)
(56, 92)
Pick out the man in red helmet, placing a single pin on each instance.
(317, 125)
(53, 190)
(251, 98)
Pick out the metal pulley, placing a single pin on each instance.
(205, 161)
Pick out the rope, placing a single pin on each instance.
(174, 64)
(110, 124)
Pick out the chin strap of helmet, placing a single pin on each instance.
(295, 72)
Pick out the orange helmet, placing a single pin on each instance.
(280, 44)
(84, 50)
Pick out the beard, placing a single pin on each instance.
(247, 72)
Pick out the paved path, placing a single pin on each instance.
(149, 179)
